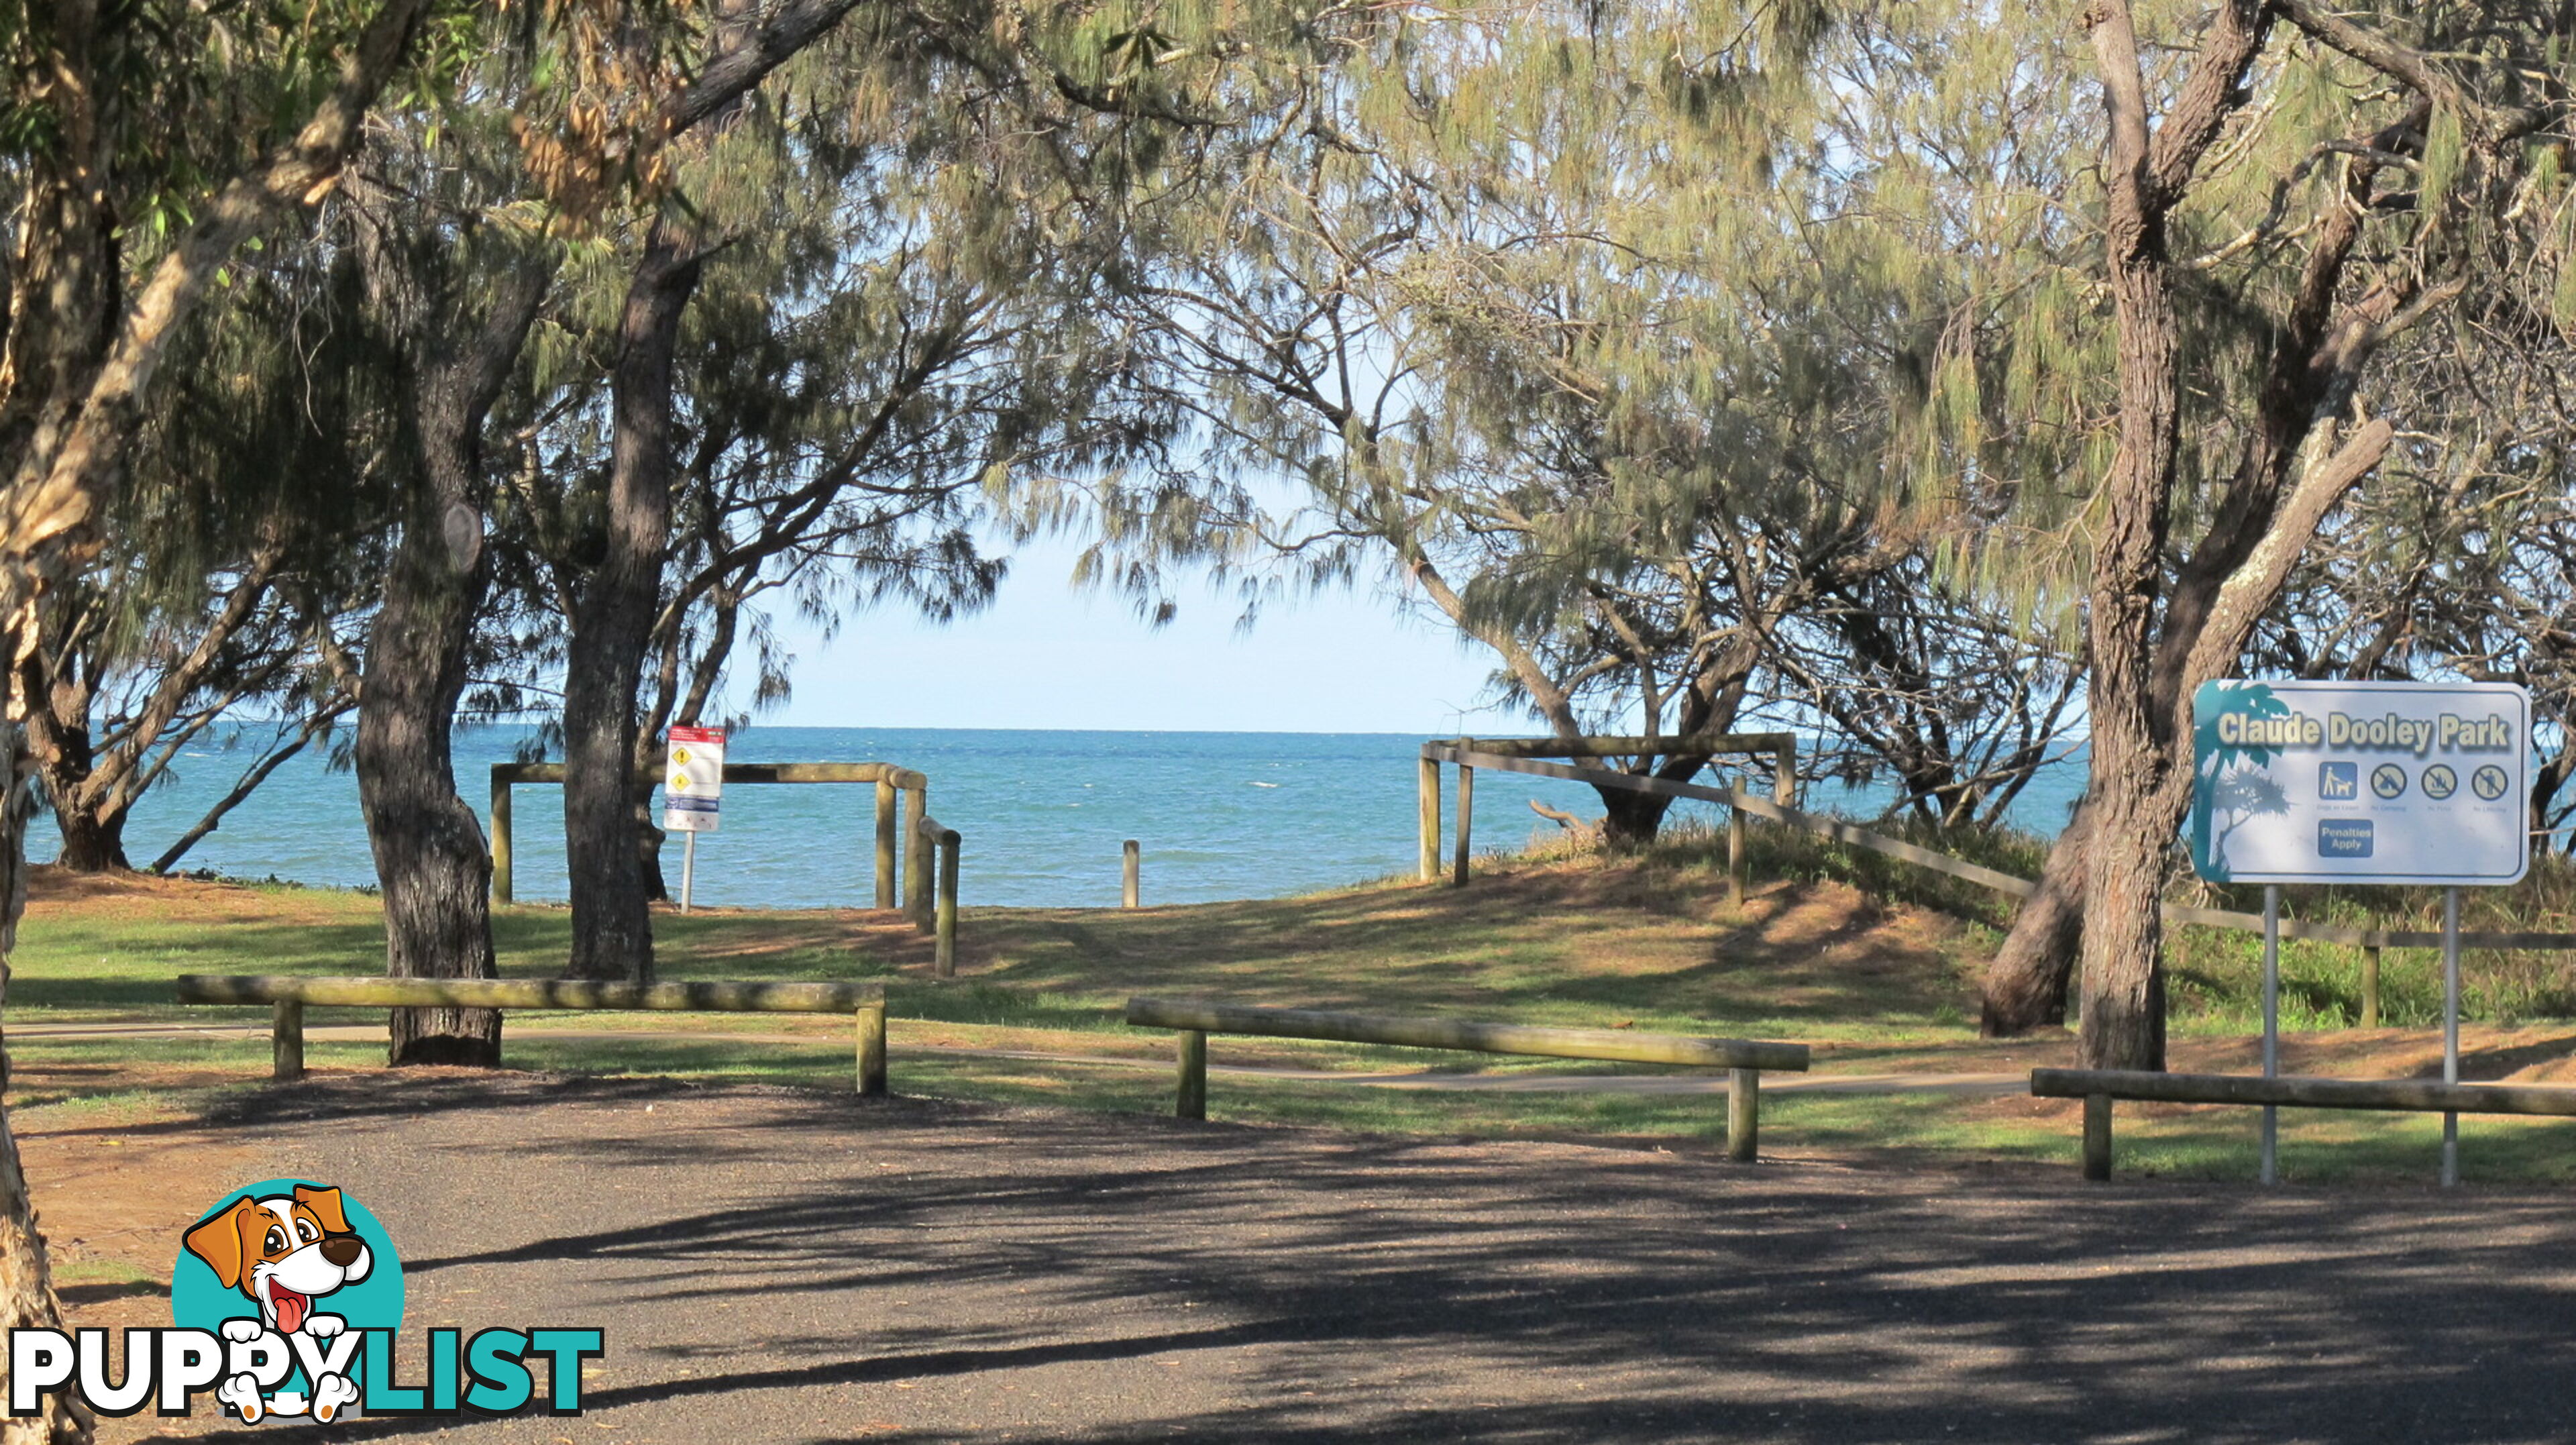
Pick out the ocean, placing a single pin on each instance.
(1042, 814)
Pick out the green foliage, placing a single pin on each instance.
(187, 94)
(1615, 333)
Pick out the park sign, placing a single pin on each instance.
(2360, 782)
(693, 781)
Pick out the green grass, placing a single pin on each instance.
(1636, 945)
(1645, 942)
(1894, 1130)
(2214, 974)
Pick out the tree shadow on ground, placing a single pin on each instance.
(1268, 1285)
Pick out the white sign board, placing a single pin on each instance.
(693, 782)
(2361, 782)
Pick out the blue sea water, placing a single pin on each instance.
(1043, 814)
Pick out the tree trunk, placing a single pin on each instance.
(612, 918)
(648, 848)
(2025, 987)
(431, 857)
(1631, 820)
(92, 842)
(56, 684)
(76, 374)
(27, 1298)
(2124, 854)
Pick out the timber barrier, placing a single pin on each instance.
(2098, 1087)
(1743, 1059)
(892, 783)
(1526, 755)
(932, 837)
(289, 995)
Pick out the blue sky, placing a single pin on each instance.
(1046, 655)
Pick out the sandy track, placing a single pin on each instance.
(773, 1265)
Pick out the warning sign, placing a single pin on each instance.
(693, 780)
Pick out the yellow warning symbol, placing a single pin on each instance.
(679, 782)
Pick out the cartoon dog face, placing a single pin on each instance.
(283, 1251)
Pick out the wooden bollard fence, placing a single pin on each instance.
(944, 947)
(1533, 755)
(1743, 1059)
(934, 839)
(288, 995)
(916, 859)
(502, 891)
(871, 1027)
(888, 779)
(1466, 822)
(286, 1041)
(886, 825)
(2098, 1087)
(1190, 1098)
(1427, 794)
(1743, 1114)
(1735, 857)
(1131, 881)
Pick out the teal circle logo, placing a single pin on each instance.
(298, 1270)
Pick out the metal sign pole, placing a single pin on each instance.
(2271, 1025)
(2450, 1030)
(688, 869)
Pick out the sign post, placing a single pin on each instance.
(2450, 1030)
(2361, 782)
(692, 794)
(2271, 1024)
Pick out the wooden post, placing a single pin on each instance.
(1131, 870)
(1735, 857)
(1784, 775)
(500, 837)
(1191, 1101)
(1466, 812)
(885, 844)
(2370, 987)
(2097, 1137)
(872, 1049)
(288, 1043)
(1427, 787)
(1743, 1114)
(916, 862)
(944, 949)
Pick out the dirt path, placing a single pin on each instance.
(779, 1266)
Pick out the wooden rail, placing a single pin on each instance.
(1743, 1059)
(2098, 1087)
(1527, 755)
(888, 778)
(289, 995)
(931, 837)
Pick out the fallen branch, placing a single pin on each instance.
(1580, 830)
